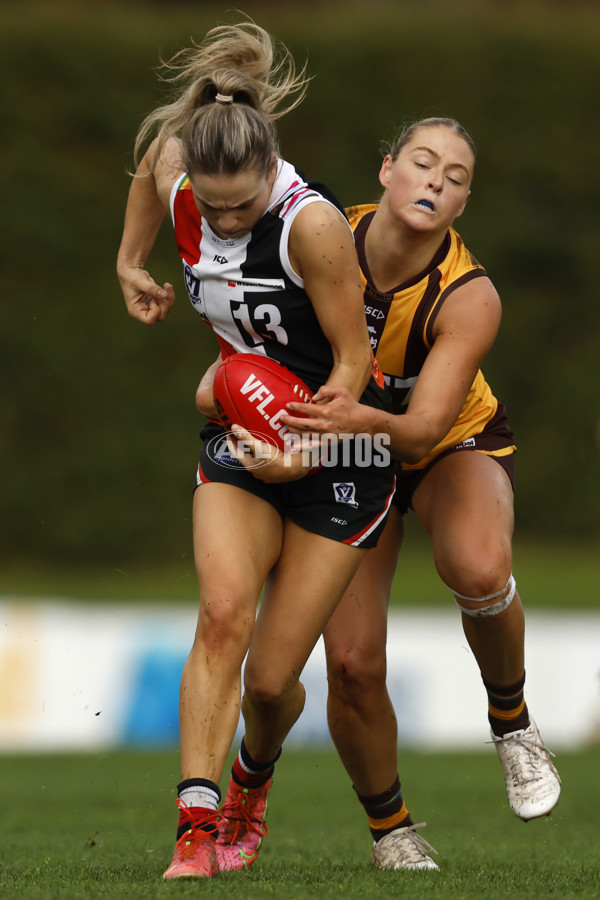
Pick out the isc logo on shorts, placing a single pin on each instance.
(345, 492)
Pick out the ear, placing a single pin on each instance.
(462, 209)
(385, 173)
(272, 170)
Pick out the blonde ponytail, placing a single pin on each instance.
(255, 75)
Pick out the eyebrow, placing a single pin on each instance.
(455, 165)
(243, 203)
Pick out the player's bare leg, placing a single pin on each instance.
(311, 574)
(360, 713)
(361, 717)
(466, 504)
(230, 575)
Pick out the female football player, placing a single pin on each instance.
(269, 263)
(433, 315)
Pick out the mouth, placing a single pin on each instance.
(425, 205)
(230, 235)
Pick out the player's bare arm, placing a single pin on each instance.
(464, 332)
(322, 252)
(205, 399)
(147, 204)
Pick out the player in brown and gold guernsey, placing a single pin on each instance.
(433, 314)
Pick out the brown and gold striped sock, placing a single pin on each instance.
(386, 811)
(507, 710)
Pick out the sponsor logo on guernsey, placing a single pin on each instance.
(193, 283)
(374, 311)
(345, 492)
(376, 319)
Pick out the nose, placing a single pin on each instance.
(227, 221)
(436, 180)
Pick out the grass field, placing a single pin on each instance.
(103, 826)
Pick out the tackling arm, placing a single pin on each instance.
(464, 332)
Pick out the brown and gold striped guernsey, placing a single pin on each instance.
(400, 324)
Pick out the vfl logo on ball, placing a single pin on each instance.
(345, 492)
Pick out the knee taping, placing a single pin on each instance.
(503, 598)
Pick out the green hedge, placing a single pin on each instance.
(98, 425)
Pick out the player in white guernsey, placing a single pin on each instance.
(270, 265)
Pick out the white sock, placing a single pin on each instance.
(200, 796)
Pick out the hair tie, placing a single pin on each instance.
(225, 99)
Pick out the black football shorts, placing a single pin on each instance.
(347, 499)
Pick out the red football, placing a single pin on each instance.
(252, 391)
